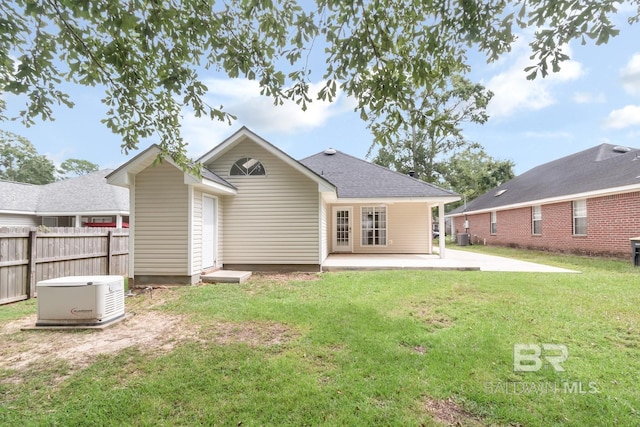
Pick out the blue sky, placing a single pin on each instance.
(594, 99)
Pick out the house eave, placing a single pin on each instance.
(391, 200)
(557, 199)
(14, 212)
(82, 213)
(209, 186)
(244, 132)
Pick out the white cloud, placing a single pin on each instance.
(630, 75)
(241, 97)
(589, 98)
(514, 93)
(624, 117)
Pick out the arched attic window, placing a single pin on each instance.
(247, 166)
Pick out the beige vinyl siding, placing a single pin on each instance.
(196, 232)
(407, 228)
(161, 222)
(273, 219)
(324, 230)
(17, 220)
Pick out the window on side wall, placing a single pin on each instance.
(536, 220)
(494, 222)
(374, 226)
(579, 217)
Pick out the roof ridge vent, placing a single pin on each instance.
(330, 151)
(621, 149)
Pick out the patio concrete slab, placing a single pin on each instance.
(454, 260)
(226, 276)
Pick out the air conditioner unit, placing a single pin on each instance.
(80, 300)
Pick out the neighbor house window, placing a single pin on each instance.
(50, 221)
(494, 222)
(101, 219)
(536, 219)
(579, 217)
(247, 166)
(374, 226)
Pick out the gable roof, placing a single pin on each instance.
(244, 134)
(357, 178)
(122, 176)
(599, 170)
(87, 193)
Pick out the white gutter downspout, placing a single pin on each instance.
(441, 229)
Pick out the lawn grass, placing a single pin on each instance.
(366, 348)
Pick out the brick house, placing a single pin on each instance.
(586, 203)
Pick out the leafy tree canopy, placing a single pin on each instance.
(76, 167)
(147, 54)
(20, 161)
(425, 150)
(473, 172)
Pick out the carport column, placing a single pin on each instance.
(118, 221)
(78, 222)
(441, 228)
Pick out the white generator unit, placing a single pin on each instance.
(80, 300)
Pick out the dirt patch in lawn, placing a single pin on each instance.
(255, 334)
(449, 413)
(153, 331)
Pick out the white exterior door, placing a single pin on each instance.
(342, 222)
(208, 232)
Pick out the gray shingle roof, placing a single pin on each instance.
(597, 168)
(212, 176)
(16, 196)
(357, 178)
(88, 193)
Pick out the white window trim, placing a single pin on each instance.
(264, 169)
(574, 214)
(493, 223)
(386, 226)
(536, 215)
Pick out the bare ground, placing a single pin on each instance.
(449, 413)
(152, 331)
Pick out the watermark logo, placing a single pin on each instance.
(533, 358)
(529, 357)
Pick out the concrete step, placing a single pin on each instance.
(226, 276)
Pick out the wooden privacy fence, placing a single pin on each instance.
(28, 255)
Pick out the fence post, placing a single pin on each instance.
(31, 268)
(109, 251)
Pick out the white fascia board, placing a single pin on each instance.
(124, 175)
(329, 196)
(324, 187)
(213, 187)
(233, 140)
(10, 212)
(558, 199)
(391, 200)
(83, 213)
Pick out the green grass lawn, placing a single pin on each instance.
(371, 348)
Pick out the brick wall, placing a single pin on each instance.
(611, 221)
